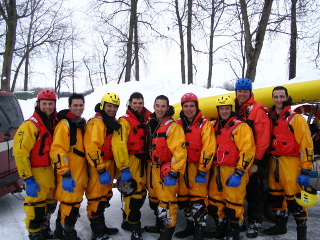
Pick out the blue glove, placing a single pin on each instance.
(125, 175)
(68, 184)
(171, 180)
(201, 177)
(32, 187)
(104, 176)
(235, 179)
(303, 179)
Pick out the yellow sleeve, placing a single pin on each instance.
(119, 144)
(176, 143)
(93, 140)
(60, 147)
(23, 143)
(244, 139)
(208, 147)
(303, 137)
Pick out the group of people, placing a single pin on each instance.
(202, 167)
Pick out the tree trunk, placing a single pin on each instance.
(253, 53)
(182, 53)
(136, 43)
(293, 41)
(211, 44)
(11, 21)
(189, 43)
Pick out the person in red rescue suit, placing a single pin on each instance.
(291, 161)
(102, 168)
(166, 143)
(201, 146)
(68, 159)
(128, 147)
(31, 152)
(256, 115)
(232, 161)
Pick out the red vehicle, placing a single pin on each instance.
(10, 119)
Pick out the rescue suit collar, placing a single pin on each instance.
(49, 122)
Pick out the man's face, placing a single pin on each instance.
(137, 104)
(243, 96)
(189, 109)
(160, 108)
(47, 106)
(77, 107)
(225, 112)
(110, 109)
(278, 97)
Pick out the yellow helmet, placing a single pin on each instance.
(308, 197)
(109, 98)
(225, 101)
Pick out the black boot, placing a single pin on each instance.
(166, 233)
(253, 229)
(98, 231)
(199, 233)
(301, 229)
(108, 231)
(70, 233)
(280, 227)
(154, 229)
(35, 236)
(58, 232)
(233, 231)
(221, 230)
(188, 231)
(136, 233)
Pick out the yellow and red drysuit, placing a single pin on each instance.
(256, 115)
(128, 147)
(292, 150)
(235, 149)
(31, 152)
(67, 154)
(167, 144)
(97, 143)
(201, 146)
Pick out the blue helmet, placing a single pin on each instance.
(243, 84)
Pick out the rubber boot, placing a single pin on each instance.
(199, 233)
(136, 233)
(301, 229)
(108, 231)
(58, 232)
(279, 228)
(233, 231)
(98, 231)
(188, 231)
(221, 229)
(35, 236)
(253, 229)
(166, 233)
(154, 229)
(70, 233)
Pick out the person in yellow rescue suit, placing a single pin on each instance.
(128, 147)
(31, 152)
(166, 143)
(68, 159)
(233, 158)
(201, 146)
(97, 143)
(290, 163)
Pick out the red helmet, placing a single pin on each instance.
(165, 169)
(188, 97)
(47, 94)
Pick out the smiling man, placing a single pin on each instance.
(128, 146)
(68, 159)
(168, 154)
(255, 115)
(201, 146)
(290, 163)
(31, 148)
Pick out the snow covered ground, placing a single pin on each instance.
(12, 216)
